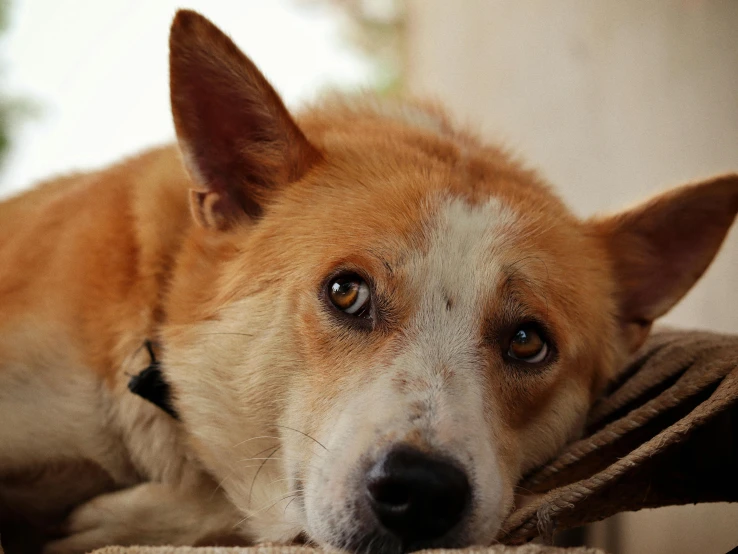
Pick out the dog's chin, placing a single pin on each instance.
(376, 542)
(350, 527)
(379, 541)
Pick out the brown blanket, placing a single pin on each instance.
(666, 433)
(277, 549)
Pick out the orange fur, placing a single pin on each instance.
(220, 253)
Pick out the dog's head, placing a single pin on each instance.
(380, 323)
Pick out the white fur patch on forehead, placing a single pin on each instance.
(460, 262)
(432, 392)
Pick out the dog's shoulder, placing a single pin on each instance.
(89, 252)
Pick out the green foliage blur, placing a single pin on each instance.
(6, 106)
(11, 108)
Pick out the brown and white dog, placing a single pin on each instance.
(371, 322)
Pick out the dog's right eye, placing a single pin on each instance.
(528, 344)
(350, 294)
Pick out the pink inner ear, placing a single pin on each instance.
(235, 133)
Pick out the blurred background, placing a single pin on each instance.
(612, 101)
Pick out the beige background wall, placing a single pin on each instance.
(613, 101)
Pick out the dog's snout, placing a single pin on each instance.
(417, 497)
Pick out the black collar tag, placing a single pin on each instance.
(150, 384)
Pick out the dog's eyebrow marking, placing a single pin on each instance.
(514, 275)
(512, 281)
(381, 259)
(386, 264)
(516, 285)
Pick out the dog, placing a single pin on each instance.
(363, 324)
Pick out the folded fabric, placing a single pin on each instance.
(278, 549)
(666, 433)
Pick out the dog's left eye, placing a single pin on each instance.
(350, 294)
(528, 344)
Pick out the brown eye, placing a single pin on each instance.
(350, 294)
(528, 345)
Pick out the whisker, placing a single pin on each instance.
(257, 512)
(305, 435)
(274, 458)
(130, 358)
(220, 484)
(251, 490)
(286, 458)
(517, 487)
(254, 457)
(288, 504)
(253, 439)
(280, 480)
(371, 543)
(227, 333)
(267, 457)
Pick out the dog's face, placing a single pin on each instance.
(439, 362)
(382, 324)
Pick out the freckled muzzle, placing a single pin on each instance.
(415, 500)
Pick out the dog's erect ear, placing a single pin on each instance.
(236, 137)
(660, 249)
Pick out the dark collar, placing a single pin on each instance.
(150, 384)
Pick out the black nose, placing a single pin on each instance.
(417, 497)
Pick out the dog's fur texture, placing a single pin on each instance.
(218, 249)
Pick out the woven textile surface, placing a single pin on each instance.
(665, 434)
(525, 549)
